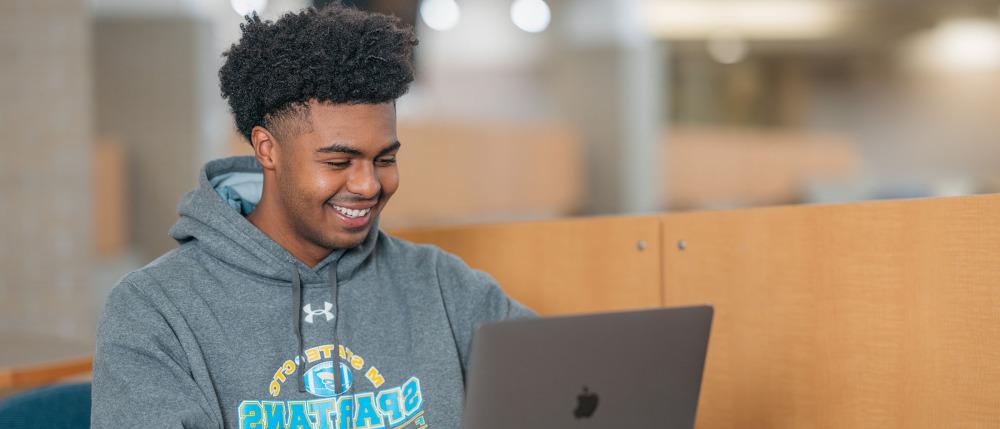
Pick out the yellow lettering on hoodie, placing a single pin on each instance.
(357, 362)
(374, 377)
(312, 355)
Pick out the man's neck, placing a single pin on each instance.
(274, 224)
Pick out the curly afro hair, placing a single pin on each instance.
(335, 54)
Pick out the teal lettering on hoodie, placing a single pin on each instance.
(221, 326)
(251, 415)
(297, 415)
(388, 403)
(345, 407)
(322, 410)
(275, 412)
(367, 417)
(412, 397)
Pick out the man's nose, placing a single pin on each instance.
(363, 181)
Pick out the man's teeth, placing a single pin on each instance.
(351, 212)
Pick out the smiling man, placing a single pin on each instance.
(284, 305)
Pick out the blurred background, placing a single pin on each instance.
(522, 109)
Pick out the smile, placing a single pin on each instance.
(352, 213)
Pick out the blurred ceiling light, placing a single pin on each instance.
(956, 45)
(727, 47)
(246, 7)
(530, 15)
(754, 19)
(441, 15)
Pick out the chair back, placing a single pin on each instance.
(64, 406)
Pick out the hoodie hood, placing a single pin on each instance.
(213, 216)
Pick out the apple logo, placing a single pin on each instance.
(586, 403)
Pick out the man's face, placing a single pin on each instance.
(335, 178)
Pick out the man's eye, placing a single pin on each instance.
(339, 164)
(387, 161)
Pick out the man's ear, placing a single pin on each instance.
(264, 147)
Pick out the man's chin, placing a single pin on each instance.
(349, 239)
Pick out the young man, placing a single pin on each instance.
(284, 305)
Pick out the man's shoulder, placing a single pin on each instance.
(429, 256)
(178, 262)
(420, 253)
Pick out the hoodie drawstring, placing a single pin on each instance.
(300, 351)
(296, 308)
(337, 376)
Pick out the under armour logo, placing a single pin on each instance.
(310, 313)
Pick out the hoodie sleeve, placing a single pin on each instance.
(472, 297)
(141, 373)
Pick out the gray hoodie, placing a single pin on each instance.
(230, 330)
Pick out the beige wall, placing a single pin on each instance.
(146, 97)
(45, 168)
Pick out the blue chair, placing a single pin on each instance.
(64, 406)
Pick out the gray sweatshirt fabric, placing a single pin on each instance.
(229, 330)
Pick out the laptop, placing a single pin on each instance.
(638, 369)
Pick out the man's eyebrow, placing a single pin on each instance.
(339, 148)
(394, 146)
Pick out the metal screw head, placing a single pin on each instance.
(641, 245)
(681, 245)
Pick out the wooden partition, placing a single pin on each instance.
(562, 267)
(883, 314)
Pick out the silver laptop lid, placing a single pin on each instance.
(632, 369)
